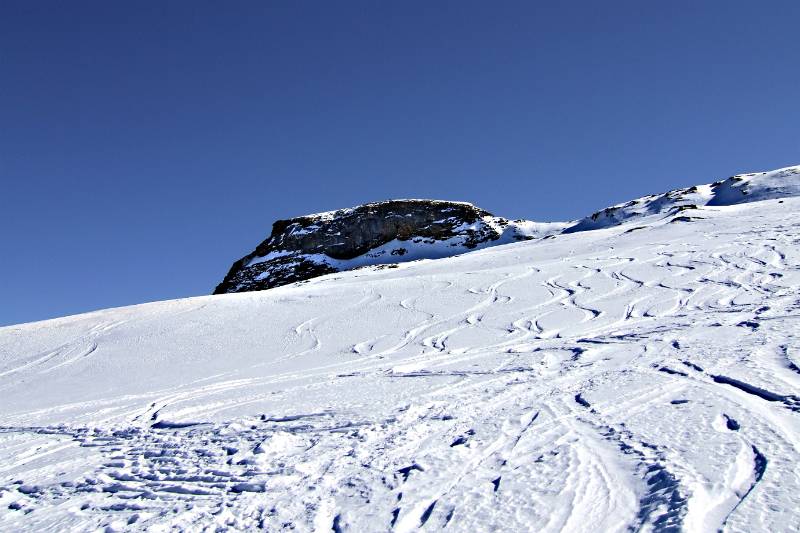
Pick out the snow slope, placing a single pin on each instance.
(743, 188)
(639, 377)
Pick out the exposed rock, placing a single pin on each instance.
(377, 233)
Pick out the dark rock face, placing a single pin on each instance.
(309, 246)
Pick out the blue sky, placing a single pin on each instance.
(145, 146)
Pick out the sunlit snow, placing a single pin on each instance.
(644, 376)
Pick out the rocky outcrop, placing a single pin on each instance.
(377, 233)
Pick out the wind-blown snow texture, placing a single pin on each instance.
(639, 377)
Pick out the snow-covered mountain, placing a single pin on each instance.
(739, 189)
(641, 377)
(396, 231)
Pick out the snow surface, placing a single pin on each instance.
(780, 183)
(639, 377)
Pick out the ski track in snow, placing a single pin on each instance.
(612, 380)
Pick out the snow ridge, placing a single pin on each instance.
(742, 188)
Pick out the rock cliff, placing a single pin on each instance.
(377, 233)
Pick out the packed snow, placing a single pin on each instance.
(644, 376)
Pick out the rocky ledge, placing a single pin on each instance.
(372, 234)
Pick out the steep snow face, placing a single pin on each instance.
(611, 380)
(388, 232)
(739, 189)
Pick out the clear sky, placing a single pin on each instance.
(144, 146)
